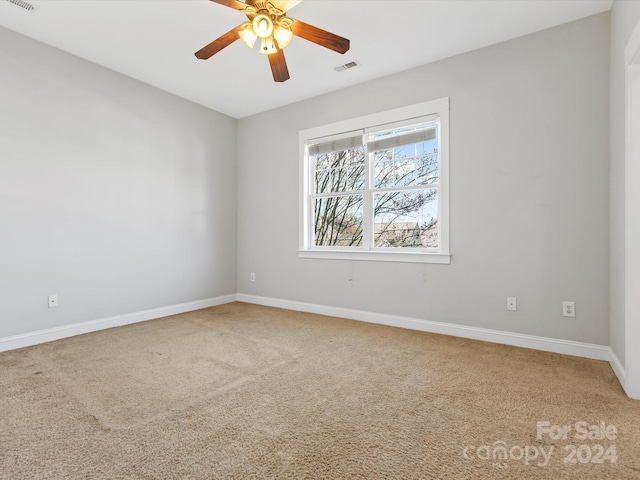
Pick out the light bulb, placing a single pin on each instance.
(283, 36)
(262, 25)
(248, 35)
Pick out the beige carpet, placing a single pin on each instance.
(242, 391)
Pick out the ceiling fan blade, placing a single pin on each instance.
(284, 5)
(235, 4)
(321, 37)
(279, 66)
(218, 44)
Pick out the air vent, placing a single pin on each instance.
(22, 4)
(347, 66)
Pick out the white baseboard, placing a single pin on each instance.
(618, 369)
(567, 347)
(50, 334)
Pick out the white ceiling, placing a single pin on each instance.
(154, 41)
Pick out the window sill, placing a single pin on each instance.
(399, 257)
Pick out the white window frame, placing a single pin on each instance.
(440, 108)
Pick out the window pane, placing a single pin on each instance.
(338, 221)
(406, 219)
(341, 171)
(400, 163)
(406, 166)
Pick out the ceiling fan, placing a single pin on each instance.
(268, 21)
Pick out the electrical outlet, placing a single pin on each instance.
(253, 277)
(53, 301)
(511, 304)
(568, 309)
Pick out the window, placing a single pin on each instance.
(376, 187)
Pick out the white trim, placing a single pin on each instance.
(631, 382)
(429, 111)
(304, 187)
(377, 256)
(617, 367)
(632, 49)
(567, 347)
(632, 233)
(50, 334)
(375, 119)
(443, 200)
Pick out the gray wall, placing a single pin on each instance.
(624, 17)
(114, 195)
(529, 191)
(121, 198)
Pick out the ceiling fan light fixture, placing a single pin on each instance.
(283, 36)
(247, 35)
(268, 46)
(267, 20)
(262, 25)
